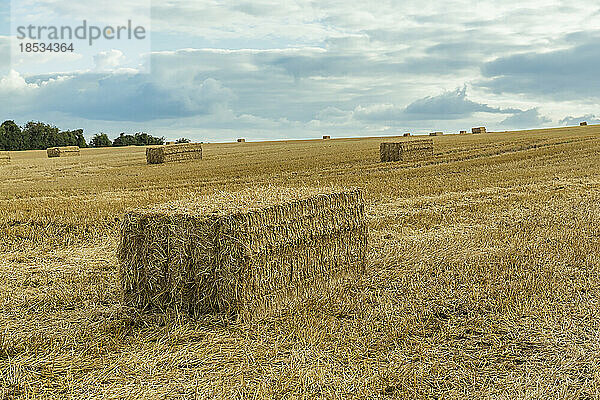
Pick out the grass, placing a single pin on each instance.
(482, 279)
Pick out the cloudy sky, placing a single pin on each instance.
(218, 70)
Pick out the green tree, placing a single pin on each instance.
(125, 140)
(39, 135)
(143, 139)
(13, 139)
(182, 140)
(100, 140)
(2, 139)
(139, 139)
(74, 138)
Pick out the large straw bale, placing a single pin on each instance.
(241, 140)
(436, 133)
(480, 129)
(173, 153)
(65, 151)
(241, 253)
(413, 150)
(326, 137)
(583, 123)
(463, 132)
(4, 157)
(406, 134)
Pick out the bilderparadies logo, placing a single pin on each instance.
(91, 33)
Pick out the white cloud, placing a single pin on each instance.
(108, 60)
(13, 83)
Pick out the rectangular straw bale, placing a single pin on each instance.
(173, 153)
(583, 124)
(480, 129)
(413, 150)
(241, 140)
(325, 137)
(436, 133)
(65, 151)
(463, 132)
(4, 157)
(406, 134)
(240, 253)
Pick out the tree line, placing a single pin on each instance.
(40, 136)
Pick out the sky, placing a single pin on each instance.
(262, 69)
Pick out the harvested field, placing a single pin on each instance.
(481, 278)
(414, 150)
(66, 151)
(173, 153)
(241, 253)
(4, 157)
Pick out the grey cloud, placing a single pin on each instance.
(338, 64)
(561, 74)
(446, 106)
(589, 118)
(333, 114)
(472, 50)
(451, 105)
(120, 96)
(526, 119)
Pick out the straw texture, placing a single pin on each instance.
(480, 129)
(241, 253)
(173, 153)
(65, 151)
(414, 150)
(4, 157)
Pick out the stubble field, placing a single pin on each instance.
(482, 281)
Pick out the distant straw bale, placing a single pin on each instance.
(241, 253)
(480, 129)
(436, 133)
(241, 140)
(173, 153)
(414, 150)
(4, 157)
(66, 151)
(325, 137)
(463, 132)
(583, 123)
(406, 134)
